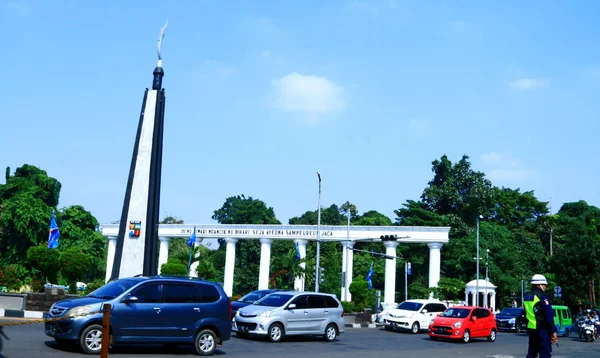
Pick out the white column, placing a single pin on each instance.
(265, 263)
(229, 265)
(493, 301)
(434, 263)
(389, 295)
(194, 266)
(163, 254)
(299, 281)
(347, 263)
(110, 257)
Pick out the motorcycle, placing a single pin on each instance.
(588, 331)
(580, 324)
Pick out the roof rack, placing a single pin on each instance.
(178, 276)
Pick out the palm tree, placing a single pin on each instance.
(285, 269)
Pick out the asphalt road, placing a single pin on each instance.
(30, 341)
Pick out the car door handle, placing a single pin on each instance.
(197, 309)
(326, 311)
(157, 309)
(305, 312)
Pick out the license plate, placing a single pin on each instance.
(243, 328)
(393, 323)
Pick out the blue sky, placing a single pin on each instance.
(262, 95)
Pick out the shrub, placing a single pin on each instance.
(36, 284)
(361, 295)
(94, 285)
(348, 306)
(9, 278)
(174, 267)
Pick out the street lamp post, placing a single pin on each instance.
(344, 291)
(477, 279)
(487, 264)
(318, 262)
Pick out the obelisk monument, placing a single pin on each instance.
(137, 244)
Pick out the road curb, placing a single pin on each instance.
(21, 314)
(361, 325)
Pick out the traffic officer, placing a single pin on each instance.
(540, 316)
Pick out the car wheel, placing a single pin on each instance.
(241, 335)
(330, 333)
(90, 339)
(388, 328)
(492, 336)
(466, 336)
(433, 338)
(518, 328)
(415, 328)
(205, 342)
(275, 333)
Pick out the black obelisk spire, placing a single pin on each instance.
(136, 251)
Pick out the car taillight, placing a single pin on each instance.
(230, 309)
(342, 313)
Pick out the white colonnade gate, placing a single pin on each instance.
(434, 237)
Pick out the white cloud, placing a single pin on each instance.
(491, 157)
(526, 84)
(20, 7)
(220, 69)
(307, 93)
(505, 167)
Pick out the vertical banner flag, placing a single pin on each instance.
(297, 251)
(192, 239)
(191, 242)
(54, 233)
(369, 276)
(408, 269)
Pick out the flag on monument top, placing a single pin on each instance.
(54, 233)
(297, 252)
(369, 276)
(192, 239)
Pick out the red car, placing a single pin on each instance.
(464, 323)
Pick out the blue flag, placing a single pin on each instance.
(369, 276)
(54, 233)
(297, 252)
(192, 239)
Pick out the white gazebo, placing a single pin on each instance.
(485, 287)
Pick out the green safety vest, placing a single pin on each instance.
(530, 313)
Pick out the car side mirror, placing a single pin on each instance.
(473, 318)
(424, 311)
(130, 299)
(291, 306)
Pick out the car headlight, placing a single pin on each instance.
(76, 311)
(512, 320)
(457, 324)
(266, 314)
(431, 322)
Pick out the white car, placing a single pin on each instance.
(413, 315)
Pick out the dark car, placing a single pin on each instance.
(511, 319)
(249, 299)
(167, 310)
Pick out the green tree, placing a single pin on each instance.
(174, 268)
(26, 202)
(242, 210)
(74, 264)
(44, 260)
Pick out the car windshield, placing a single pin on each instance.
(273, 300)
(456, 312)
(409, 306)
(511, 311)
(252, 297)
(113, 289)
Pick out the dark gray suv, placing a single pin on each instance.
(170, 310)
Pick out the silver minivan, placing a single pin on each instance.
(288, 313)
